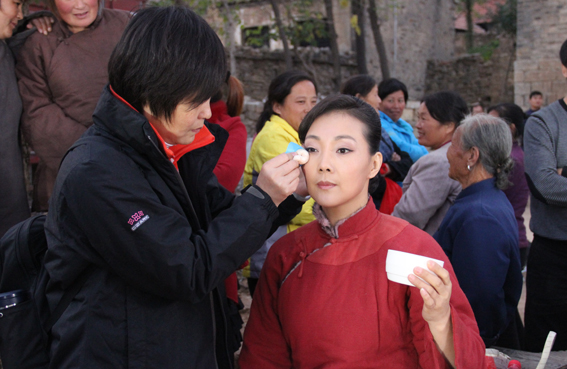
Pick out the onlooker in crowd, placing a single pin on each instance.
(13, 198)
(476, 108)
(138, 212)
(545, 143)
(13, 32)
(231, 164)
(324, 299)
(394, 95)
(396, 163)
(428, 190)
(291, 95)
(479, 233)
(518, 192)
(228, 171)
(536, 102)
(61, 76)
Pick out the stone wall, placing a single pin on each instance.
(257, 67)
(422, 29)
(488, 81)
(425, 31)
(542, 28)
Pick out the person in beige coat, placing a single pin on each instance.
(61, 76)
(428, 190)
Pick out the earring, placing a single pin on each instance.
(469, 167)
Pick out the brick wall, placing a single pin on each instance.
(542, 28)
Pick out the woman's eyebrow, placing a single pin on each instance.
(345, 137)
(313, 137)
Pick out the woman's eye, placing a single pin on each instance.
(310, 149)
(343, 151)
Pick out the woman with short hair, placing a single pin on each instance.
(428, 190)
(138, 213)
(397, 161)
(61, 76)
(394, 95)
(479, 233)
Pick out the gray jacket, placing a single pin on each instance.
(545, 147)
(428, 191)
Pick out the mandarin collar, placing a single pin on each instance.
(355, 224)
(484, 185)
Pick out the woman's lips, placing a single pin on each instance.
(325, 185)
(82, 15)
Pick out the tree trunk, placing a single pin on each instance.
(360, 36)
(283, 37)
(337, 79)
(470, 25)
(230, 36)
(378, 40)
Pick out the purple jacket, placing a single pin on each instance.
(518, 192)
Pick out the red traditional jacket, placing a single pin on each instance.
(325, 302)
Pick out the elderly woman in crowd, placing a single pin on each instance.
(479, 233)
(61, 76)
(324, 299)
(428, 190)
(394, 95)
(291, 96)
(138, 214)
(518, 192)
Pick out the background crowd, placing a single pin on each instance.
(461, 178)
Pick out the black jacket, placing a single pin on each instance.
(161, 243)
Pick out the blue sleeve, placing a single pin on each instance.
(486, 262)
(413, 148)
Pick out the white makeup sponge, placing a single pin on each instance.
(301, 156)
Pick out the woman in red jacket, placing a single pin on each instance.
(324, 299)
(231, 164)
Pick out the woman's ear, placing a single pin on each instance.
(358, 96)
(513, 129)
(277, 108)
(451, 127)
(473, 156)
(376, 165)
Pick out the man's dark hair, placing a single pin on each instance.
(535, 93)
(446, 107)
(563, 54)
(361, 84)
(389, 86)
(279, 89)
(166, 56)
(352, 106)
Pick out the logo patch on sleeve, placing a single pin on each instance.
(137, 219)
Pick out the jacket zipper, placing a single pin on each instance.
(194, 214)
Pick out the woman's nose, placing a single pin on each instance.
(324, 164)
(206, 112)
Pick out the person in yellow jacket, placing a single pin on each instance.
(291, 96)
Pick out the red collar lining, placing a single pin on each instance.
(175, 152)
